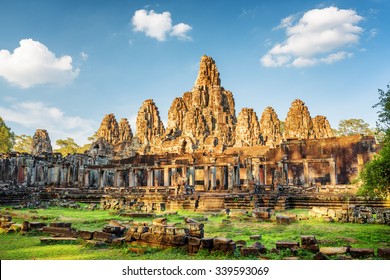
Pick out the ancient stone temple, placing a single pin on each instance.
(206, 158)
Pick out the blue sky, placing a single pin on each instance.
(65, 64)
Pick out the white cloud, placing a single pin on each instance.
(34, 115)
(318, 37)
(180, 30)
(32, 63)
(159, 26)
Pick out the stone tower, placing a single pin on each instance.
(270, 127)
(206, 114)
(298, 122)
(149, 125)
(247, 129)
(109, 129)
(41, 143)
(321, 127)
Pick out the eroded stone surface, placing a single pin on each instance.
(321, 127)
(149, 124)
(298, 122)
(247, 129)
(125, 132)
(205, 116)
(109, 129)
(270, 127)
(41, 142)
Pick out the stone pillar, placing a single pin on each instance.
(332, 172)
(57, 175)
(256, 172)
(131, 178)
(86, 179)
(156, 177)
(285, 172)
(100, 179)
(136, 179)
(80, 177)
(306, 172)
(150, 177)
(249, 167)
(206, 177)
(116, 178)
(213, 178)
(166, 177)
(237, 176)
(191, 179)
(230, 177)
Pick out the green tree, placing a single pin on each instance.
(67, 146)
(6, 137)
(23, 143)
(375, 177)
(353, 127)
(383, 122)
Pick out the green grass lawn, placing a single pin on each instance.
(17, 246)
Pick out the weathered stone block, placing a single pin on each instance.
(259, 247)
(261, 215)
(170, 230)
(198, 233)
(320, 256)
(83, 234)
(5, 218)
(241, 243)
(333, 250)
(192, 249)
(61, 225)
(167, 239)
(59, 240)
(118, 231)
(255, 237)
(59, 231)
(249, 251)
(37, 225)
(133, 229)
(207, 243)
(224, 244)
(384, 253)
(118, 240)
(283, 220)
(195, 226)
(286, 245)
(160, 221)
(308, 240)
(361, 252)
(142, 229)
(103, 236)
(25, 226)
(182, 231)
(179, 240)
(158, 229)
(194, 241)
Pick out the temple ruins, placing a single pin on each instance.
(206, 158)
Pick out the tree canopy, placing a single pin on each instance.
(375, 177)
(23, 143)
(6, 137)
(352, 127)
(69, 146)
